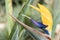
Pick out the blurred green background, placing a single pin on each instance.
(13, 30)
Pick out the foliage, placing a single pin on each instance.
(19, 27)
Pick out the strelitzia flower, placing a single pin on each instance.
(38, 24)
(45, 16)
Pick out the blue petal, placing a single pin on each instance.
(39, 24)
(46, 31)
(42, 25)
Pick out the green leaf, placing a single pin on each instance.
(20, 18)
(15, 35)
(56, 13)
(9, 11)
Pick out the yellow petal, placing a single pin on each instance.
(35, 8)
(46, 17)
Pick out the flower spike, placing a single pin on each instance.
(45, 16)
(38, 24)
